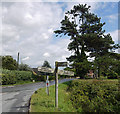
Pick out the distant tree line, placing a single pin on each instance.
(11, 64)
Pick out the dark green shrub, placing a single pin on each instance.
(38, 77)
(51, 77)
(88, 77)
(42, 78)
(112, 75)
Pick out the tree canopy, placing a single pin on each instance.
(46, 64)
(8, 63)
(86, 34)
(24, 67)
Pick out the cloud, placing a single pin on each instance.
(46, 54)
(61, 0)
(26, 58)
(114, 35)
(28, 28)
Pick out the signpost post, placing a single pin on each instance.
(56, 72)
(47, 85)
(57, 64)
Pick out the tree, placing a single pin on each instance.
(24, 67)
(115, 66)
(77, 23)
(46, 64)
(85, 31)
(9, 63)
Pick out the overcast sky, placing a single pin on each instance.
(27, 27)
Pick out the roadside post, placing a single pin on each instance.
(57, 64)
(47, 85)
(55, 72)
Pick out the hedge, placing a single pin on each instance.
(13, 76)
(95, 95)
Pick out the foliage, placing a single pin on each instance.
(82, 68)
(85, 31)
(24, 67)
(51, 77)
(8, 77)
(95, 95)
(112, 75)
(8, 63)
(107, 63)
(46, 64)
(13, 76)
(115, 63)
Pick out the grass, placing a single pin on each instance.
(41, 102)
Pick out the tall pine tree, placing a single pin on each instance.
(85, 31)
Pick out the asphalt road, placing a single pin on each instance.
(16, 98)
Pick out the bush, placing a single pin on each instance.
(95, 95)
(23, 75)
(51, 77)
(12, 77)
(8, 77)
(42, 78)
(112, 75)
(24, 67)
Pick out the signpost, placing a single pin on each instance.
(51, 71)
(47, 85)
(56, 72)
(57, 64)
(62, 64)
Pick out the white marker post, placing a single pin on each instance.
(47, 85)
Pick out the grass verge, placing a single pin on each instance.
(41, 102)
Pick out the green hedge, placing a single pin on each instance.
(95, 95)
(112, 75)
(13, 76)
(8, 78)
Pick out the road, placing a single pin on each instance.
(16, 98)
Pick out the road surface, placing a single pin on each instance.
(16, 98)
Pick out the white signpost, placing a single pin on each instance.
(47, 85)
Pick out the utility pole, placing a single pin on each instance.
(18, 61)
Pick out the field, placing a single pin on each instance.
(79, 96)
